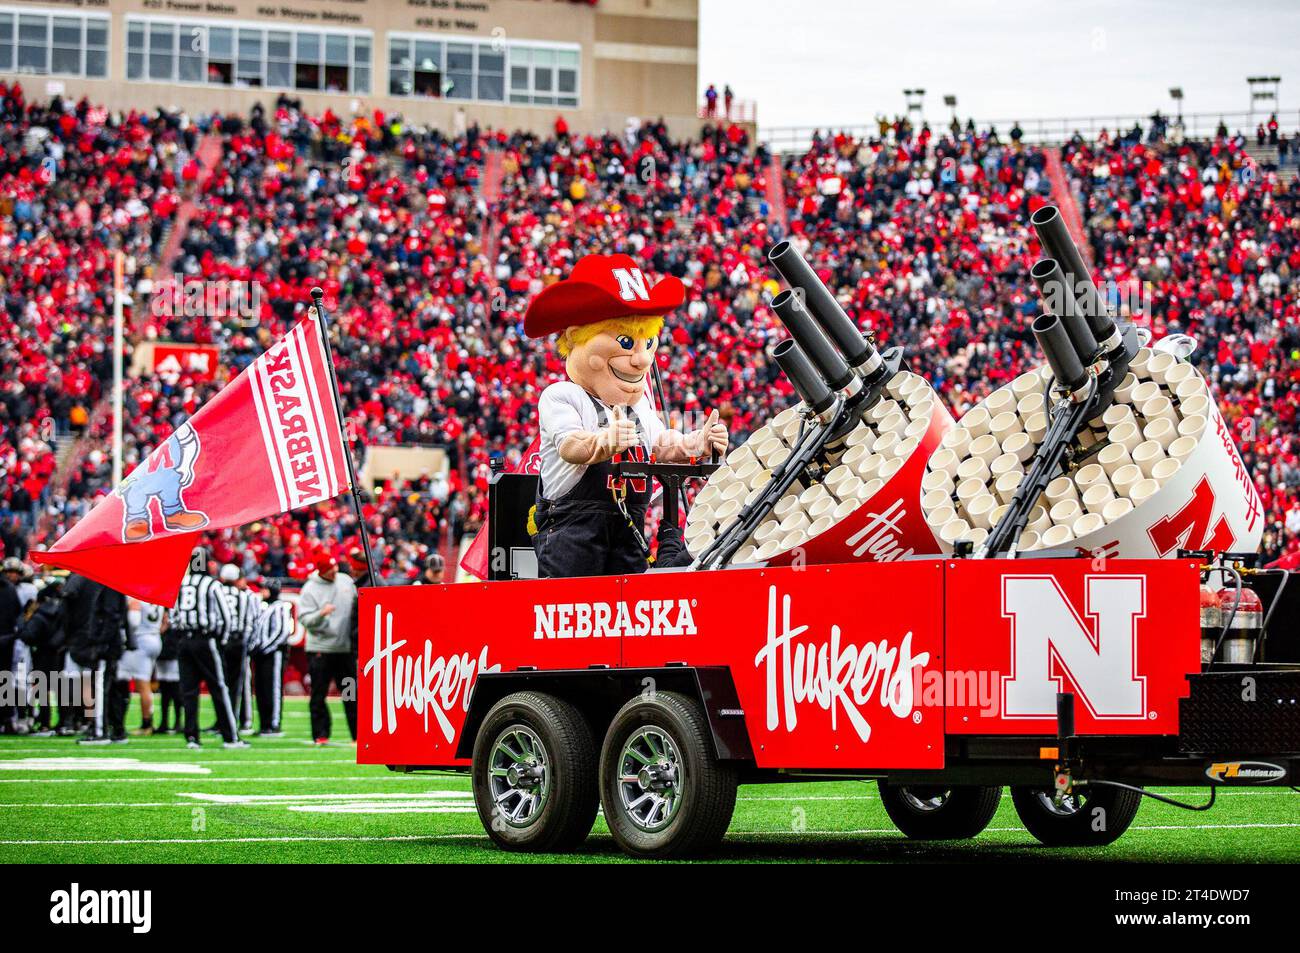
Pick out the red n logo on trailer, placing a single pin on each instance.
(1190, 526)
(1049, 640)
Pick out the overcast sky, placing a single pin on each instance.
(842, 61)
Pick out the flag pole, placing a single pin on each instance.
(318, 301)
(117, 368)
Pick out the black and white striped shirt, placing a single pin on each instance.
(245, 612)
(201, 607)
(273, 628)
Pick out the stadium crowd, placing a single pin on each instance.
(430, 245)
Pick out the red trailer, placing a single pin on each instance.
(1074, 681)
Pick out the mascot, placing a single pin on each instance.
(608, 320)
(162, 477)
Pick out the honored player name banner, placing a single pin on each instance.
(269, 442)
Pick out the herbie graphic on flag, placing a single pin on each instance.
(269, 442)
(163, 477)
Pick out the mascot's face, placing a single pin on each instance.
(613, 366)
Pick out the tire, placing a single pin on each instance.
(680, 800)
(534, 774)
(924, 812)
(1075, 823)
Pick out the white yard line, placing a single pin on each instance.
(280, 798)
(252, 800)
(1239, 792)
(191, 778)
(479, 836)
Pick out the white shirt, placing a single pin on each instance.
(565, 407)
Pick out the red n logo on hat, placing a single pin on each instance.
(631, 284)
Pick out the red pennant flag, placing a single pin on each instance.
(475, 560)
(269, 442)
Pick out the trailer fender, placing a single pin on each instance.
(599, 692)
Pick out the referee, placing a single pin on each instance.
(266, 651)
(203, 619)
(245, 610)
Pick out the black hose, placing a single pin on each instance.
(1277, 599)
(1159, 797)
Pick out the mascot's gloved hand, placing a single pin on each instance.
(587, 447)
(621, 434)
(712, 436)
(672, 548)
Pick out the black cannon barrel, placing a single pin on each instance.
(808, 384)
(811, 339)
(821, 304)
(1055, 341)
(1057, 243)
(1059, 301)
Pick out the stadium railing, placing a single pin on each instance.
(1049, 131)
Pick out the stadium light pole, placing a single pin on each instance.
(1262, 88)
(118, 266)
(915, 99)
(1176, 94)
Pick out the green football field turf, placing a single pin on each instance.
(285, 800)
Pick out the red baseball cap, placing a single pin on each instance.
(324, 563)
(599, 288)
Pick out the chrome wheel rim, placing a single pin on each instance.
(925, 800)
(1066, 806)
(651, 778)
(519, 776)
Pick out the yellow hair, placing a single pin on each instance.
(639, 328)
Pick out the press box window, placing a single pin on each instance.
(53, 44)
(491, 72)
(187, 52)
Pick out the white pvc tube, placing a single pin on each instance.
(976, 421)
(904, 449)
(1116, 508)
(1039, 520)
(1087, 523)
(1126, 435)
(1159, 364)
(1147, 455)
(973, 468)
(1062, 488)
(1162, 430)
(1057, 536)
(1143, 490)
(985, 447)
(1021, 444)
(1192, 427)
(1036, 426)
(1065, 512)
(1165, 469)
(1124, 392)
(1125, 478)
(1007, 484)
(1095, 499)
(1182, 448)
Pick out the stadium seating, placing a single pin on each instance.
(429, 247)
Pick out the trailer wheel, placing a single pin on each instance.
(1090, 817)
(663, 792)
(534, 773)
(926, 812)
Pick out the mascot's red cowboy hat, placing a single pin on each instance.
(601, 287)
